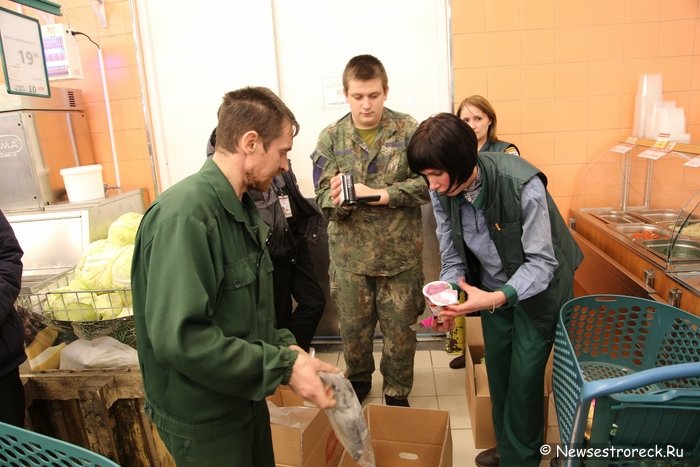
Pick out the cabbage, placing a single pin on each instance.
(121, 268)
(109, 305)
(94, 271)
(67, 305)
(123, 230)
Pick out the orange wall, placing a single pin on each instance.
(119, 54)
(563, 74)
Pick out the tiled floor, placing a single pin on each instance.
(435, 386)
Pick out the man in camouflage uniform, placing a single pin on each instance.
(376, 270)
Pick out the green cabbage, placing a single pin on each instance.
(66, 304)
(121, 268)
(94, 271)
(109, 305)
(123, 230)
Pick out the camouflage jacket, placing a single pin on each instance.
(372, 240)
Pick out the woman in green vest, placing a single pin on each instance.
(477, 112)
(503, 241)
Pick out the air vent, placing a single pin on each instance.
(71, 98)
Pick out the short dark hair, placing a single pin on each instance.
(252, 108)
(364, 68)
(444, 142)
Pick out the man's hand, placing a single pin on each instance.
(306, 382)
(362, 190)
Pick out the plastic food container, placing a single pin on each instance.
(83, 183)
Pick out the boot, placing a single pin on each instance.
(488, 458)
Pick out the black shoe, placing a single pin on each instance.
(396, 401)
(361, 389)
(459, 362)
(488, 458)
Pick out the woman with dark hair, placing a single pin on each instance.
(477, 112)
(503, 241)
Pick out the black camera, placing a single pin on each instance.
(347, 190)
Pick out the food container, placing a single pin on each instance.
(642, 232)
(683, 250)
(617, 217)
(657, 216)
(83, 183)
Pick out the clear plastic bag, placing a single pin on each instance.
(347, 420)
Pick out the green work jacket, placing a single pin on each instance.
(203, 307)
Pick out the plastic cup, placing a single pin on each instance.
(439, 294)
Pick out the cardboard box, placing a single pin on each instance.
(403, 437)
(478, 395)
(307, 438)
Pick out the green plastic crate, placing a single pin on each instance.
(639, 360)
(25, 448)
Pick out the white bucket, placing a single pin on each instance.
(83, 183)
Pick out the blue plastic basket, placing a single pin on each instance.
(24, 448)
(639, 360)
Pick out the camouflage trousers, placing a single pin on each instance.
(395, 302)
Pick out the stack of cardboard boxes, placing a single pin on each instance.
(479, 397)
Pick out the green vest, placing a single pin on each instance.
(505, 177)
(497, 146)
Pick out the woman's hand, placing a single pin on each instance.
(477, 300)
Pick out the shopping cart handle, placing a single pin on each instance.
(604, 387)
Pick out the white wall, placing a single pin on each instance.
(314, 42)
(194, 52)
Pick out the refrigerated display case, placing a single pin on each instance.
(636, 215)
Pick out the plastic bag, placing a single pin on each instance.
(102, 352)
(347, 420)
(296, 416)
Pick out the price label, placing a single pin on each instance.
(23, 59)
(622, 148)
(653, 154)
(694, 162)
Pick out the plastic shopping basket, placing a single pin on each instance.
(25, 448)
(639, 361)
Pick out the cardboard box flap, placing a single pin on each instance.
(481, 380)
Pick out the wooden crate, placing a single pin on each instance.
(101, 410)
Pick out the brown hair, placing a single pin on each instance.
(485, 106)
(252, 108)
(364, 68)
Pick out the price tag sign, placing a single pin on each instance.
(653, 154)
(694, 162)
(622, 148)
(22, 52)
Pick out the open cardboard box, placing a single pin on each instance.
(306, 439)
(403, 437)
(478, 395)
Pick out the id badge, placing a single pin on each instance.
(286, 206)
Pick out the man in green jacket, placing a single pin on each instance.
(202, 296)
(504, 242)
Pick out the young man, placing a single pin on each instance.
(376, 270)
(202, 297)
(503, 240)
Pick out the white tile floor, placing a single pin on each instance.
(435, 386)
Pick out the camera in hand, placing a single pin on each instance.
(347, 190)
